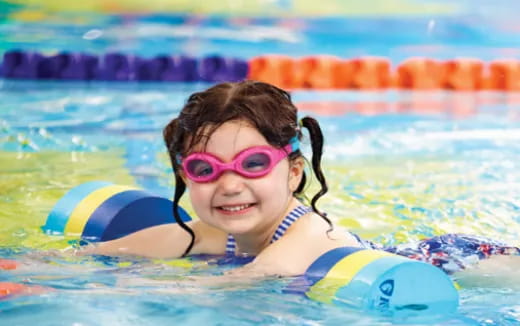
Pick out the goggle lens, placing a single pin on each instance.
(256, 163)
(199, 168)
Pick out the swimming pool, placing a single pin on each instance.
(401, 165)
(397, 177)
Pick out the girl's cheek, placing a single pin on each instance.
(200, 201)
(274, 186)
(199, 191)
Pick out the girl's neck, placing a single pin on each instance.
(253, 244)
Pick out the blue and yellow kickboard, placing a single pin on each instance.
(378, 280)
(101, 211)
(59, 216)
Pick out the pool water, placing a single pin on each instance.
(398, 171)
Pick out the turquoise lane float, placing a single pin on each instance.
(363, 278)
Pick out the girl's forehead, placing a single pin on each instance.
(230, 137)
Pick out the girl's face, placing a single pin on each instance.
(240, 205)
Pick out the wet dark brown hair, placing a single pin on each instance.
(267, 108)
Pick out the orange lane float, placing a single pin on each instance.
(463, 74)
(322, 72)
(420, 74)
(275, 69)
(370, 73)
(505, 75)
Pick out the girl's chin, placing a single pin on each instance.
(237, 225)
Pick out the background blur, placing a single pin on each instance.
(396, 29)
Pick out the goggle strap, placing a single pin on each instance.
(294, 144)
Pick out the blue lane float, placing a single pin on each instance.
(121, 67)
(371, 280)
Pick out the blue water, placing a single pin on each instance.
(401, 165)
(394, 177)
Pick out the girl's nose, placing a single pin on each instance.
(230, 183)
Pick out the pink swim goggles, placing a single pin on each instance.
(253, 162)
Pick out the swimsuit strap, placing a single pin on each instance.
(231, 245)
(292, 217)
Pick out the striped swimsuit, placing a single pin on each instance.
(292, 217)
(450, 252)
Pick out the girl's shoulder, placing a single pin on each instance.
(208, 239)
(312, 225)
(304, 242)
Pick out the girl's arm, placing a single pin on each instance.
(304, 242)
(162, 241)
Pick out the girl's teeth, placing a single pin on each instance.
(235, 208)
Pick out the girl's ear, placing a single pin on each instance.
(181, 174)
(296, 168)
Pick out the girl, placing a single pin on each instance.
(235, 147)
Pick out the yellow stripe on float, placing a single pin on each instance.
(342, 273)
(79, 217)
(457, 286)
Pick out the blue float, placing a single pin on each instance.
(101, 211)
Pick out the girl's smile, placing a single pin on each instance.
(235, 209)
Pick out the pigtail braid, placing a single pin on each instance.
(180, 186)
(316, 137)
